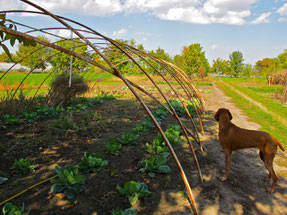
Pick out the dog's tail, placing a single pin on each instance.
(279, 144)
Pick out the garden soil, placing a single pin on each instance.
(243, 193)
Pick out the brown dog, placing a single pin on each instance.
(233, 138)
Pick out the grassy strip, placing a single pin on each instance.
(203, 84)
(268, 102)
(268, 123)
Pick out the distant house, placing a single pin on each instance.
(17, 67)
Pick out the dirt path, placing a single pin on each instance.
(245, 190)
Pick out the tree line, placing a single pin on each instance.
(192, 60)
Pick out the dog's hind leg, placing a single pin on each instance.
(269, 165)
(262, 158)
(261, 155)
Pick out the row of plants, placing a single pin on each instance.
(41, 112)
(70, 182)
(190, 105)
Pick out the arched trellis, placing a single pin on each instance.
(97, 43)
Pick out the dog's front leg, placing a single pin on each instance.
(228, 155)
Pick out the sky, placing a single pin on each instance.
(257, 28)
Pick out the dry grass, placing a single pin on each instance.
(61, 93)
(279, 77)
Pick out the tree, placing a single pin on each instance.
(5, 58)
(61, 61)
(220, 66)
(236, 62)
(283, 60)
(262, 65)
(247, 70)
(121, 60)
(161, 54)
(37, 59)
(178, 61)
(193, 59)
(4, 37)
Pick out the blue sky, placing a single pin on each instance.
(257, 28)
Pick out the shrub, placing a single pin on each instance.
(61, 93)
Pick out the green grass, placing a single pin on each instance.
(271, 89)
(37, 78)
(17, 77)
(12, 79)
(267, 101)
(171, 82)
(203, 84)
(268, 122)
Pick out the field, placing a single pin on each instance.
(60, 137)
(31, 83)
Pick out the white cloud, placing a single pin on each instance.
(232, 12)
(120, 32)
(282, 20)
(214, 46)
(198, 11)
(283, 10)
(263, 18)
(143, 34)
(83, 7)
(8, 4)
(66, 33)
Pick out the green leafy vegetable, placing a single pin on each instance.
(160, 113)
(192, 105)
(175, 127)
(129, 211)
(148, 124)
(153, 165)
(92, 163)
(179, 109)
(113, 147)
(10, 209)
(23, 166)
(139, 129)
(10, 119)
(134, 191)
(68, 181)
(157, 148)
(128, 139)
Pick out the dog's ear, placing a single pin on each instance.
(230, 115)
(216, 116)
